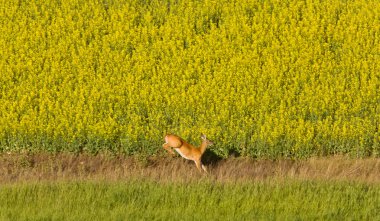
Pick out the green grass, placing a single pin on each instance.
(207, 200)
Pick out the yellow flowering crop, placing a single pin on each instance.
(263, 78)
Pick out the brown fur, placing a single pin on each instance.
(187, 150)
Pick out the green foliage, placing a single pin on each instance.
(147, 200)
(261, 78)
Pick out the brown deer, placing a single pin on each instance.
(187, 150)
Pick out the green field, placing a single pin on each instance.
(84, 187)
(262, 78)
(202, 200)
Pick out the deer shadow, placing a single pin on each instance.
(211, 158)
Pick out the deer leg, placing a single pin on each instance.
(204, 168)
(199, 165)
(168, 148)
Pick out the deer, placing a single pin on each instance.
(187, 150)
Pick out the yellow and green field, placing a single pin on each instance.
(88, 88)
(262, 78)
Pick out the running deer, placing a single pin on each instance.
(187, 150)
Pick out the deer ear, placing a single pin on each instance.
(203, 137)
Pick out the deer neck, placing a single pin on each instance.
(203, 146)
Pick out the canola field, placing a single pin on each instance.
(261, 78)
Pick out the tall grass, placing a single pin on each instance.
(262, 78)
(17, 168)
(147, 200)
